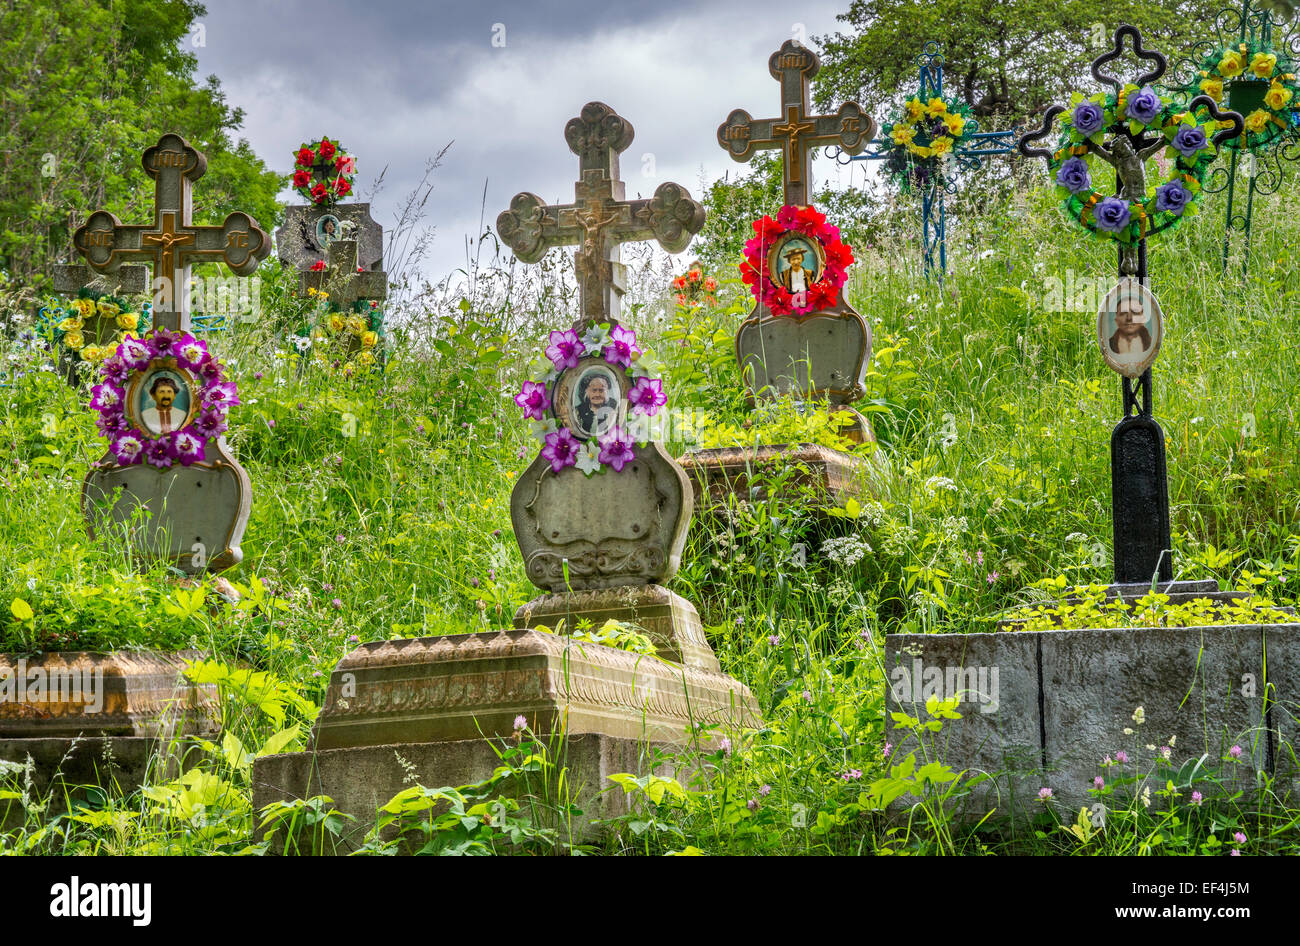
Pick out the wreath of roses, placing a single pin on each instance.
(646, 397)
(1084, 126)
(188, 445)
(824, 293)
(68, 325)
(323, 188)
(1253, 65)
(923, 134)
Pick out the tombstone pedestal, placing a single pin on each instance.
(1041, 709)
(830, 476)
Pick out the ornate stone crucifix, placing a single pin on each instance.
(600, 218)
(172, 243)
(796, 132)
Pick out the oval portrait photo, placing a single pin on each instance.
(328, 229)
(1130, 327)
(588, 398)
(796, 262)
(162, 401)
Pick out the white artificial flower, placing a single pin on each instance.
(595, 338)
(589, 458)
(540, 428)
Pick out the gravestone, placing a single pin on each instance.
(70, 280)
(197, 511)
(809, 342)
(337, 248)
(600, 540)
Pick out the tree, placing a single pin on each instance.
(85, 87)
(1010, 58)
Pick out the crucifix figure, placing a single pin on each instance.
(1139, 484)
(600, 218)
(172, 243)
(796, 132)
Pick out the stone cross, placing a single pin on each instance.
(342, 281)
(600, 218)
(68, 280)
(796, 132)
(172, 242)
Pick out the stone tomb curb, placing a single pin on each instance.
(1048, 706)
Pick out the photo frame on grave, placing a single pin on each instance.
(580, 405)
(796, 261)
(328, 229)
(1130, 328)
(147, 403)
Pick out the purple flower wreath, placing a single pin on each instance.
(618, 346)
(185, 446)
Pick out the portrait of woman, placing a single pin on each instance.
(327, 231)
(1129, 328)
(595, 401)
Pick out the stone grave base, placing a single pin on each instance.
(670, 621)
(834, 477)
(1041, 709)
(470, 686)
(122, 693)
(361, 779)
(64, 768)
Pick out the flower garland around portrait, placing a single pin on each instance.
(923, 136)
(618, 345)
(1257, 81)
(1086, 122)
(824, 292)
(323, 172)
(188, 445)
(90, 326)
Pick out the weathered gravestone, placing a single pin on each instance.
(1054, 709)
(81, 329)
(600, 519)
(164, 399)
(338, 251)
(803, 338)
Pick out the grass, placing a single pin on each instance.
(381, 510)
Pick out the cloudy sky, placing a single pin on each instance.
(396, 80)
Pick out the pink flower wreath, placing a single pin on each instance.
(808, 221)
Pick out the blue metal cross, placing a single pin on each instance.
(968, 157)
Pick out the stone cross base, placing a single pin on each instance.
(123, 693)
(360, 780)
(471, 686)
(669, 620)
(832, 476)
(1041, 709)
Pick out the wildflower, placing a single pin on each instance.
(1172, 740)
(726, 745)
(1128, 731)
(315, 673)
(257, 376)
(752, 804)
(853, 775)
(807, 697)
(774, 639)
(1165, 752)
(764, 790)
(992, 577)
(1239, 837)
(339, 538)
(1098, 782)
(1106, 762)
(353, 639)
(1234, 853)
(1139, 716)
(1044, 794)
(889, 747)
(337, 604)
(1146, 797)
(1121, 757)
(1235, 752)
(1197, 798)
(520, 722)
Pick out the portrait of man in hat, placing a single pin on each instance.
(795, 275)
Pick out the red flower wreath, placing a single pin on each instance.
(323, 172)
(808, 221)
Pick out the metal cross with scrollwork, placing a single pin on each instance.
(979, 146)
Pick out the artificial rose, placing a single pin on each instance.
(301, 177)
(1213, 88)
(1112, 213)
(318, 266)
(1189, 140)
(1073, 176)
(1143, 105)
(342, 187)
(565, 349)
(534, 400)
(1277, 96)
(1173, 197)
(345, 164)
(319, 193)
(327, 149)
(306, 157)
(1257, 121)
(1232, 64)
(1088, 118)
(129, 321)
(1263, 64)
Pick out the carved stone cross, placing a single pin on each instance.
(172, 243)
(795, 131)
(342, 281)
(600, 218)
